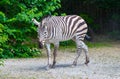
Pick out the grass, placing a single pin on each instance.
(1, 62)
(71, 44)
(98, 44)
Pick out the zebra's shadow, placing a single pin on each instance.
(57, 66)
(62, 65)
(43, 67)
(67, 65)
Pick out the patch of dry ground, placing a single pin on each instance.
(104, 64)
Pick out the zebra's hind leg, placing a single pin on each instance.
(78, 54)
(79, 50)
(81, 46)
(85, 49)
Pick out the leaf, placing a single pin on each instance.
(3, 38)
(22, 6)
(11, 20)
(2, 2)
(34, 28)
(1, 50)
(2, 17)
(1, 27)
(40, 14)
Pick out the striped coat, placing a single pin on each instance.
(53, 29)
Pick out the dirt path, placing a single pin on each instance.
(104, 64)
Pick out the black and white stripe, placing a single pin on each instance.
(69, 26)
(61, 28)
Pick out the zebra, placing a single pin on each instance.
(54, 29)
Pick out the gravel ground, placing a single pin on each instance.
(104, 64)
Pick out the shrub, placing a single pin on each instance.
(16, 28)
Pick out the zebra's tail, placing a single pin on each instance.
(87, 37)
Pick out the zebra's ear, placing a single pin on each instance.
(36, 22)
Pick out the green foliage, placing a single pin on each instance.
(87, 18)
(116, 17)
(71, 44)
(105, 3)
(68, 43)
(63, 14)
(16, 26)
(90, 21)
(2, 17)
(1, 62)
(115, 35)
(97, 44)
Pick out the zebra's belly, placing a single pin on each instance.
(59, 39)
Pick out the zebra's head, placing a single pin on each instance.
(42, 32)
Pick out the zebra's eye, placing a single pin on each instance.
(45, 32)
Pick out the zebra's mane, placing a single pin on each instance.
(46, 16)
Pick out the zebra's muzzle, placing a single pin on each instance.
(40, 45)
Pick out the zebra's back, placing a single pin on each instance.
(67, 27)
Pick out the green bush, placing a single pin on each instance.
(68, 43)
(16, 28)
(115, 35)
(90, 21)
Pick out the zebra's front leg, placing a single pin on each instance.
(56, 46)
(49, 63)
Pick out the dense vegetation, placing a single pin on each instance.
(103, 15)
(16, 28)
(18, 34)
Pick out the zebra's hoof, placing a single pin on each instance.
(74, 64)
(48, 67)
(86, 63)
(53, 65)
